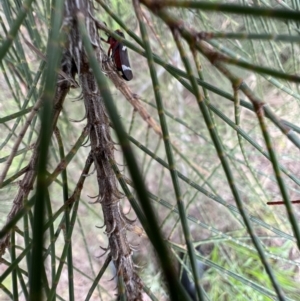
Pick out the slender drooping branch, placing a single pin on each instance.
(102, 148)
(26, 184)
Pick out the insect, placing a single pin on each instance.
(119, 54)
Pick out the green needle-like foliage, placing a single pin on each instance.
(190, 150)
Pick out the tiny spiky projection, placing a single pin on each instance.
(27, 183)
(102, 149)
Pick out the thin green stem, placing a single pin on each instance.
(67, 213)
(97, 279)
(54, 53)
(169, 152)
(15, 28)
(225, 7)
(15, 270)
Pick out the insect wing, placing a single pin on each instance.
(125, 65)
(116, 56)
